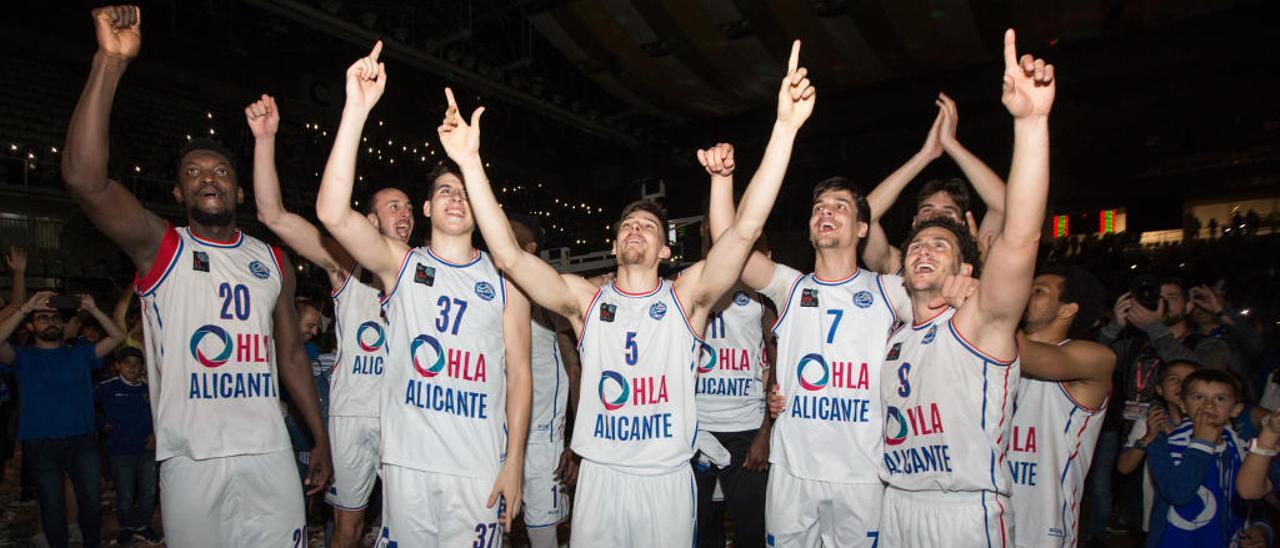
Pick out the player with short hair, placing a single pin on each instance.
(952, 375)
(220, 327)
(354, 394)
(456, 388)
(639, 336)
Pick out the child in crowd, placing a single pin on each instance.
(1163, 414)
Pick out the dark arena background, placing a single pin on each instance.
(1165, 132)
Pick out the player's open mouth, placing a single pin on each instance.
(922, 268)
(826, 227)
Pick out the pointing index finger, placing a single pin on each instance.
(448, 95)
(793, 62)
(1010, 49)
(377, 50)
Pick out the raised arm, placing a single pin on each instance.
(707, 280)
(17, 262)
(366, 80)
(1006, 281)
(39, 301)
(886, 193)
(719, 163)
(84, 157)
(301, 236)
(1079, 361)
(878, 254)
(1251, 481)
(566, 295)
(296, 377)
(113, 334)
(990, 186)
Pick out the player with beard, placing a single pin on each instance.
(221, 303)
(638, 336)
(948, 406)
(354, 394)
(456, 389)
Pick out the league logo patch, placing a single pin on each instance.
(258, 270)
(741, 299)
(863, 299)
(199, 261)
(894, 352)
(928, 336)
(424, 275)
(658, 310)
(484, 290)
(607, 311)
(809, 298)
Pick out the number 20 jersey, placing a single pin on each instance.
(444, 384)
(208, 310)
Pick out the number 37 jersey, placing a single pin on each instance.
(444, 394)
(208, 313)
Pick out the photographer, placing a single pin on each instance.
(55, 422)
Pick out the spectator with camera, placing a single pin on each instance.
(1214, 317)
(55, 421)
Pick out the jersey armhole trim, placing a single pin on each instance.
(786, 308)
(346, 280)
(684, 315)
(278, 256)
(951, 326)
(1062, 385)
(893, 310)
(586, 317)
(171, 246)
(404, 263)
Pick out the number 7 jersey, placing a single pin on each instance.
(208, 310)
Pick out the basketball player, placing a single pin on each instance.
(546, 504)
(823, 488)
(733, 377)
(951, 375)
(937, 198)
(456, 385)
(354, 392)
(638, 337)
(220, 326)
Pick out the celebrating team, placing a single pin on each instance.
(898, 396)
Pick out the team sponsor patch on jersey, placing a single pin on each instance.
(863, 299)
(199, 261)
(424, 275)
(484, 290)
(741, 299)
(607, 311)
(894, 352)
(259, 270)
(809, 298)
(657, 310)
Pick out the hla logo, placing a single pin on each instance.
(840, 374)
(221, 356)
(707, 359)
(370, 343)
(895, 426)
(615, 390)
(437, 364)
(810, 383)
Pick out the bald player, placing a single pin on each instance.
(354, 393)
(456, 387)
(639, 336)
(221, 330)
(951, 376)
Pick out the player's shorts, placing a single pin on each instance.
(804, 513)
(428, 509)
(545, 504)
(963, 519)
(354, 442)
(618, 509)
(243, 500)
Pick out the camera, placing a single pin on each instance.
(1146, 291)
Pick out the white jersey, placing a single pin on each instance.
(639, 352)
(948, 411)
(362, 350)
(831, 343)
(444, 392)
(208, 312)
(550, 382)
(1049, 455)
(730, 388)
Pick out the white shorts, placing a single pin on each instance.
(426, 509)
(618, 509)
(545, 504)
(963, 519)
(355, 442)
(244, 500)
(805, 513)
